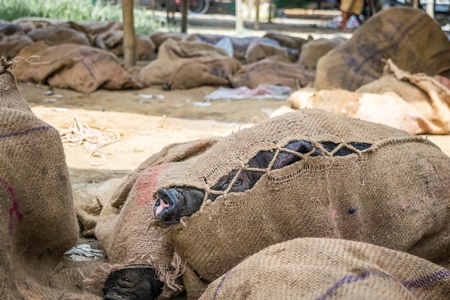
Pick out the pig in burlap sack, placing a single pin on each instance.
(304, 174)
(262, 48)
(81, 68)
(113, 42)
(172, 55)
(287, 40)
(313, 50)
(38, 223)
(122, 227)
(212, 71)
(410, 37)
(416, 103)
(12, 39)
(313, 268)
(59, 35)
(273, 70)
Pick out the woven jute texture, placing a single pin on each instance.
(37, 218)
(123, 224)
(314, 268)
(81, 68)
(394, 193)
(410, 37)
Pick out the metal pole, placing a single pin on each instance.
(129, 38)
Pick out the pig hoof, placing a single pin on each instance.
(166, 87)
(132, 283)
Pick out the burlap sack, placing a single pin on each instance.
(81, 68)
(12, 39)
(273, 70)
(387, 109)
(37, 220)
(59, 35)
(172, 55)
(212, 71)
(313, 50)
(93, 28)
(429, 97)
(408, 36)
(393, 192)
(159, 38)
(312, 268)
(287, 40)
(113, 41)
(89, 199)
(262, 48)
(123, 225)
(37, 22)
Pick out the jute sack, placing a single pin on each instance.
(113, 42)
(387, 108)
(410, 37)
(89, 199)
(12, 39)
(173, 54)
(287, 40)
(429, 97)
(273, 70)
(59, 35)
(201, 71)
(262, 48)
(123, 225)
(81, 68)
(372, 178)
(37, 22)
(313, 268)
(37, 219)
(313, 50)
(159, 38)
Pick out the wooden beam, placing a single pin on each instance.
(129, 37)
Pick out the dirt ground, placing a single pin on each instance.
(147, 125)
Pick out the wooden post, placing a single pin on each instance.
(184, 16)
(270, 12)
(129, 38)
(239, 24)
(256, 27)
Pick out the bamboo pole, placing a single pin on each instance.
(129, 38)
(184, 16)
(239, 24)
(256, 26)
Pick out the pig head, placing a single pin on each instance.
(176, 202)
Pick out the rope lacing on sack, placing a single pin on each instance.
(79, 133)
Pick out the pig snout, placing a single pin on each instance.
(174, 203)
(136, 283)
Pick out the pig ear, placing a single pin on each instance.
(285, 158)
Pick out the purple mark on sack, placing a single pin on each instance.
(351, 279)
(352, 211)
(427, 280)
(219, 286)
(24, 132)
(15, 204)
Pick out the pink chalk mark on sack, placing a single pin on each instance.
(147, 183)
(15, 204)
(333, 214)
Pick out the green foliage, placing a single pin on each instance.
(79, 10)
